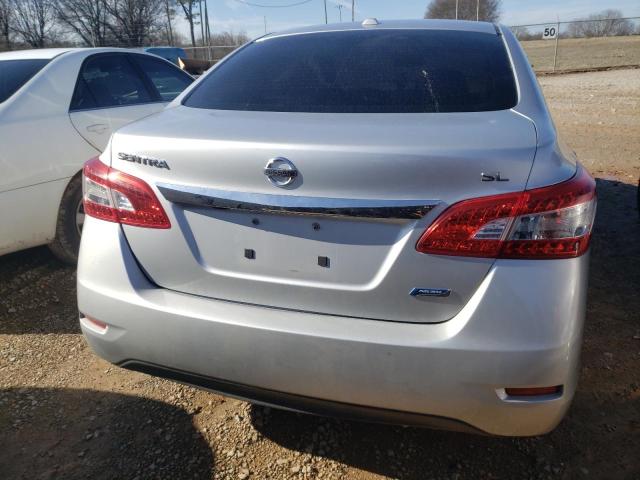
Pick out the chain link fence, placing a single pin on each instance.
(581, 44)
(551, 47)
(213, 53)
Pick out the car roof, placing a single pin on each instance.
(50, 53)
(451, 25)
(41, 53)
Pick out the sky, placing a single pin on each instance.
(237, 16)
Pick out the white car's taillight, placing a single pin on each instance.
(115, 196)
(548, 222)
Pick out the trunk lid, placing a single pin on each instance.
(383, 177)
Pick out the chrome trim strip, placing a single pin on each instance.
(296, 205)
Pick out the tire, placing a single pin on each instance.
(69, 225)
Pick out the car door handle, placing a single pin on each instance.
(97, 128)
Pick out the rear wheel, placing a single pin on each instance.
(70, 221)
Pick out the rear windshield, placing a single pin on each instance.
(383, 71)
(15, 73)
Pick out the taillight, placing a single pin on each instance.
(115, 196)
(548, 222)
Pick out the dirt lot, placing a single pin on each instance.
(66, 414)
(584, 53)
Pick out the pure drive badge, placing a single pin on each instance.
(152, 162)
(430, 292)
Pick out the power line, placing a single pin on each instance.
(295, 4)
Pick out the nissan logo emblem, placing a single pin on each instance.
(280, 172)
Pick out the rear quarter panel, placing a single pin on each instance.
(554, 161)
(39, 144)
(28, 215)
(39, 152)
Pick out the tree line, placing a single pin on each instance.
(125, 23)
(135, 23)
(607, 23)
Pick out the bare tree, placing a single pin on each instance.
(191, 16)
(523, 33)
(226, 42)
(134, 22)
(5, 23)
(34, 21)
(170, 13)
(229, 39)
(604, 24)
(86, 18)
(162, 38)
(485, 10)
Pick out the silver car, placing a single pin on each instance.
(375, 221)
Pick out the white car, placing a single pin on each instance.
(58, 107)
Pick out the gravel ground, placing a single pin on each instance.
(64, 413)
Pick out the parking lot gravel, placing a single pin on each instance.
(64, 413)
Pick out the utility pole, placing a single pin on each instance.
(169, 27)
(555, 50)
(340, 7)
(456, 9)
(477, 10)
(207, 29)
(326, 18)
(353, 10)
(201, 21)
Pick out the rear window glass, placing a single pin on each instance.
(383, 71)
(15, 73)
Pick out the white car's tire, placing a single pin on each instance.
(66, 244)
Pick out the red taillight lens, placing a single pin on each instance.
(115, 196)
(549, 222)
(472, 228)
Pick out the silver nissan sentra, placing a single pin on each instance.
(376, 221)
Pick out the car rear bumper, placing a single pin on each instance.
(300, 403)
(522, 328)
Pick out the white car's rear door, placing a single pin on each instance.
(114, 89)
(96, 126)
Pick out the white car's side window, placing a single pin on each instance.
(167, 79)
(109, 80)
